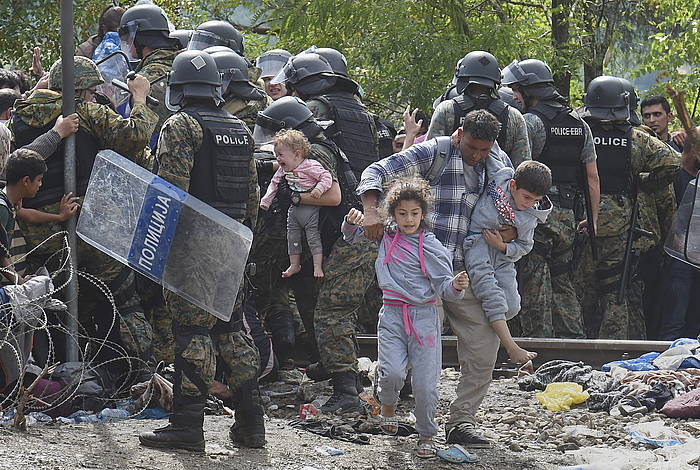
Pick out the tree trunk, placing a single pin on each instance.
(560, 40)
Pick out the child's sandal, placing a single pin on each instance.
(389, 425)
(426, 450)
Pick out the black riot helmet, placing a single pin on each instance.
(527, 73)
(145, 25)
(216, 33)
(308, 73)
(234, 74)
(182, 35)
(532, 77)
(194, 75)
(335, 58)
(478, 67)
(288, 112)
(606, 99)
(633, 101)
(339, 65)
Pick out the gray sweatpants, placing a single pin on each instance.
(396, 350)
(303, 218)
(493, 279)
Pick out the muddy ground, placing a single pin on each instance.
(115, 445)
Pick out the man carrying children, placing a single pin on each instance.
(458, 169)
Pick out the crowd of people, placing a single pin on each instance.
(505, 213)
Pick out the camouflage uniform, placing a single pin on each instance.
(180, 139)
(127, 137)
(648, 155)
(514, 140)
(349, 276)
(247, 111)
(155, 67)
(550, 307)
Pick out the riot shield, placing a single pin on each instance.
(115, 65)
(683, 242)
(164, 233)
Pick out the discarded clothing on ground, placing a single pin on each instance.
(342, 432)
(620, 391)
(566, 371)
(89, 386)
(683, 406)
(683, 353)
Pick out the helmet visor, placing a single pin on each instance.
(200, 40)
(607, 114)
(174, 97)
(271, 64)
(265, 129)
(286, 73)
(229, 76)
(127, 34)
(513, 73)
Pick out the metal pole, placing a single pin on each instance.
(68, 87)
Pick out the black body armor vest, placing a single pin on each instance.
(52, 188)
(353, 130)
(463, 104)
(613, 146)
(221, 173)
(565, 138)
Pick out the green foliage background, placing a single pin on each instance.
(404, 51)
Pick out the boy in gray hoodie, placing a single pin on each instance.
(516, 198)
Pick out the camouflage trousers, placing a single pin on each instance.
(196, 350)
(136, 334)
(603, 312)
(349, 274)
(550, 307)
(159, 317)
(269, 253)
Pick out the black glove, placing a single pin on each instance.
(284, 195)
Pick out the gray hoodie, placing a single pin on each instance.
(492, 273)
(487, 216)
(402, 275)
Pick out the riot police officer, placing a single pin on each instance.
(144, 32)
(207, 152)
(623, 153)
(560, 139)
(477, 78)
(241, 97)
(333, 97)
(100, 128)
(349, 269)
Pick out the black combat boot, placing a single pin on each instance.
(185, 430)
(249, 428)
(344, 398)
(281, 325)
(317, 372)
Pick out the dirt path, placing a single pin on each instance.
(115, 445)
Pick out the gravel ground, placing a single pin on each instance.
(526, 436)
